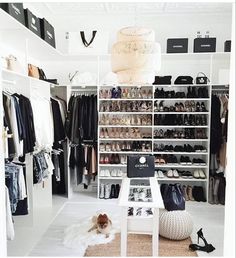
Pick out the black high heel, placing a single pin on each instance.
(207, 248)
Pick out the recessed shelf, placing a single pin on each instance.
(110, 99)
(180, 166)
(180, 179)
(180, 126)
(125, 139)
(126, 113)
(125, 152)
(134, 126)
(182, 113)
(182, 99)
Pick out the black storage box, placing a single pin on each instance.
(47, 32)
(140, 166)
(16, 10)
(204, 45)
(227, 47)
(32, 22)
(177, 45)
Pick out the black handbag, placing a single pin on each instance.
(184, 80)
(140, 166)
(202, 79)
(163, 79)
(43, 77)
(85, 42)
(173, 197)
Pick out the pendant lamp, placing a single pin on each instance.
(136, 57)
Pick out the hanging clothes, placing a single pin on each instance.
(81, 129)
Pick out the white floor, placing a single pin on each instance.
(29, 233)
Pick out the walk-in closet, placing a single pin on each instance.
(116, 124)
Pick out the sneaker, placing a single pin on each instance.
(107, 173)
(160, 174)
(130, 211)
(107, 191)
(202, 175)
(114, 172)
(139, 211)
(183, 160)
(175, 173)
(187, 174)
(102, 173)
(102, 191)
(196, 174)
(119, 173)
(170, 173)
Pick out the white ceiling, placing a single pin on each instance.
(71, 9)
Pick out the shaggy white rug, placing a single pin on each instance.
(77, 236)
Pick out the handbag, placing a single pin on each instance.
(173, 197)
(163, 79)
(140, 166)
(184, 80)
(33, 71)
(202, 79)
(87, 44)
(13, 64)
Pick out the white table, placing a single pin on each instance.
(140, 225)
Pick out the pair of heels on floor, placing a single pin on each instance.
(206, 248)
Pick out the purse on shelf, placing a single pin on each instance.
(163, 79)
(173, 197)
(140, 166)
(85, 42)
(202, 79)
(184, 80)
(33, 71)
(38, 73)
(13, 64)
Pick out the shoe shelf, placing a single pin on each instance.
(183, 99)
(182, 113)
(119, 126)
(180, 126)
(112, 165)
(182, 179)
(110, 178)
(178, 140)
(183, 85)
(128, 113)
(180, 166)
(125, 152)
(124, 99)
(127, 139)
(180, 153)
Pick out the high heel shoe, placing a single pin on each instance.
(207, 248)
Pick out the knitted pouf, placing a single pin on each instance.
(175, 225)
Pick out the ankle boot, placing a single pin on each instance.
(190, 193)
(113, 192)
(185, 193)
(117, 190)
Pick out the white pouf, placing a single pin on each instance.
(175, 225)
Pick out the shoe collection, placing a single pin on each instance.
(109, 191)
(187, 106)
(192, 92)
(140, 211)
(179, 148)
(111, 173)
(113, 159)
(172, 119)
(172, 159)
(187, 133)
(140, 194)
(126, 93)
(126, 120)
(175, 173)
(126, 146)
(126, 106)
(123, 133)
(195, 193)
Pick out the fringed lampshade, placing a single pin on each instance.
(136, 57)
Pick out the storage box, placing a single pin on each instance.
(16, 10)
(32, 22)
(204, 45)
(47, 32)
(140, 166)
(177, 45)
(227, 46)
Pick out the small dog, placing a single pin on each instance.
(102, 224)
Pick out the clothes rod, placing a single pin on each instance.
(9, 82)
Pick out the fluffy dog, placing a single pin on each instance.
(102, 224)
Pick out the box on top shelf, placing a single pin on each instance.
(47, 32)
(32, 22)
(16, 10)
(177, 45)
(204, 45)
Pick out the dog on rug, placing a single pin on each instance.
(102, 224)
